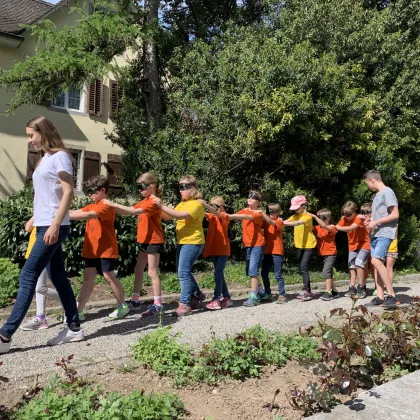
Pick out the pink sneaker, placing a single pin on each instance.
(195, 301)
(215, 304)
(182, 309)
(226, 303)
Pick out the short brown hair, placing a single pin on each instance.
(349, 206)
(190, 179)
(98, 182)
(372, 174)
(275, 207)
(366, 207)
(324, 212)
(256, 193)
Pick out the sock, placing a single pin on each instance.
(3, 340)
(41, 317)
(261, 290)
(122, 306)
(135, 297)
(157, 300)
(254, 293)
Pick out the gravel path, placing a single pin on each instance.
(109, 340)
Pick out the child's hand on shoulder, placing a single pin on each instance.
(257, 212)
(201, 201)
(158, 202)
(311, 214)
(361, 216)
(107, 202)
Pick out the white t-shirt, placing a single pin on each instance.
(47, 186)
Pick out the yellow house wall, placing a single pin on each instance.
(81, 131)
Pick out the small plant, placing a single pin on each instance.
(9, 281)
(69, 372)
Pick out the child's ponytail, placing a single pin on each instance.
(159, 190)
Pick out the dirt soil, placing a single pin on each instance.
(231, 400)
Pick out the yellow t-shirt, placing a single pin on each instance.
(32, 239)
(303, 236)
(190, 231)
(393, 247)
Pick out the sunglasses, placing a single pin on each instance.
(255, 196)
(348, 214)
(91, 190)
(142, 186)
(216, 206)
(185, 187)
(271, 211)
(323, 218)
(364, 212)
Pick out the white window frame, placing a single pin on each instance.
(82, 107)
(78, 188)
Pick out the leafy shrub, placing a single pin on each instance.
(235, 357)
(62, 401)
(9, 281)
(170, 283)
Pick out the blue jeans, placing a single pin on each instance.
(268, 261)
(186, 256)
(42, 256)
(254, 256)
(379, 247)
(219, 277)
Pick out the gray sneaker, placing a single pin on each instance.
(66, 335)
(351, 292)
(35, 324)
(361, 291)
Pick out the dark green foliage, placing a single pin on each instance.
(237, 357)
(9, 281)
(61, 400)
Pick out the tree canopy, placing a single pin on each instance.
(288, 97)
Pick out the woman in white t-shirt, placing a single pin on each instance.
(53, 186)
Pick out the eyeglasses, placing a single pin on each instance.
(348, 214)
(271, 211)
(215, 206)
(142, 186)
(185, 187)
(323, 218)
(255, 196)
(364, 212)
(92, 190)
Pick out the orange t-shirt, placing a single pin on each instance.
(217, 240)
(325, 240)
(251, 229)
(356, 238)
(100, 240)
(149, 227)
(273, 238)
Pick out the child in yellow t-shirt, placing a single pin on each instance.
(304, 240)
(189, 215)
(392, 256)
(42, 291)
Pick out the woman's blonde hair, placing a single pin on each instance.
(349, 206)
(150, 178)
(190, 179)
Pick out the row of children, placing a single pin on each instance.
(261, 234)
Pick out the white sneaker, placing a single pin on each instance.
(66, 335)
(5, 347)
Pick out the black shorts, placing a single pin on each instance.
(151, 248)
(102, 265)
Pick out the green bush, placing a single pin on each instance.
(237, 357)
(75, 402)
(9, 281)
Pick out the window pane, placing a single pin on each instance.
(74, 98)
(59, 100)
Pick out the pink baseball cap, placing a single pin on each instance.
(297, 201)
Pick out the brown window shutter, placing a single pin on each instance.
(115, 95)
(91, 165)
(95, 98)
(113, 167)
(34, 157)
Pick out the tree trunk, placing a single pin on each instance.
(151, 69)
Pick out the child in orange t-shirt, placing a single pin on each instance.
(325, 238)
(274, 251)
(100, 247)
(253, 241)
(359, 247)
(150, 236)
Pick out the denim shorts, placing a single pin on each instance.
(358, 258)
(254, 257)
(379, 247)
